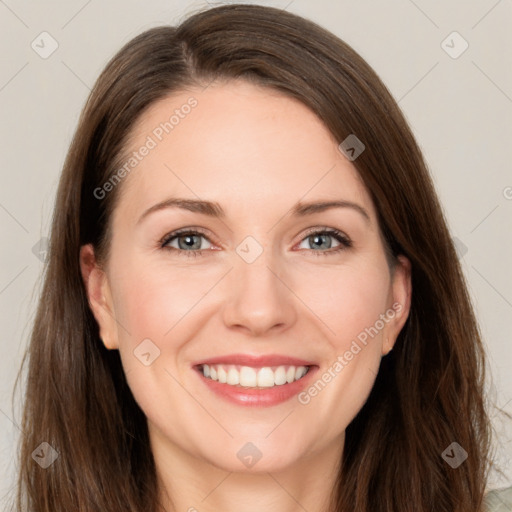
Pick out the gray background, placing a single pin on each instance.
(459, 106)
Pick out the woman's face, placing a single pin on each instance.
(269, 282)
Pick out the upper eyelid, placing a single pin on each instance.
(183, 231)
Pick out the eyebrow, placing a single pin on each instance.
(213, 209)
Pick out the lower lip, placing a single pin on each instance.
(253, 397)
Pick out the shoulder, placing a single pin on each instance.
(498, 500)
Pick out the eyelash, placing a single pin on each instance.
(345, 242)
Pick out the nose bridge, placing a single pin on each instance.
(258, 300)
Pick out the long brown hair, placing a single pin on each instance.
(429, 391)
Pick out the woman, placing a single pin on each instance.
(196, 348)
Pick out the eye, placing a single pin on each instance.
(323, 239)
(188, 242)
(185, 242)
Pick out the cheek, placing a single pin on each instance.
(351, 305)
(346, 299)
(157, 302)
(152, 299)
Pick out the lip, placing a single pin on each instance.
(256, 361)
(257, 397)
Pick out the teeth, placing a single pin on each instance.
(222, 375)
(266, 377)
(233, 377)
(247, 376)
(280, 376)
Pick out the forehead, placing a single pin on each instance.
(242, 145)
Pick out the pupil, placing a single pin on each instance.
(317, 239)
(189, 241)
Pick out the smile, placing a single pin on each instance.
(250, 377)
(255, 380)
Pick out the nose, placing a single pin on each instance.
(260, 298)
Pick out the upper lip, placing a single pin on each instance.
(256, 361)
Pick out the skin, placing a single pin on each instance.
(256, 152)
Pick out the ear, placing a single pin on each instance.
(400, 302)
(99, 296)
